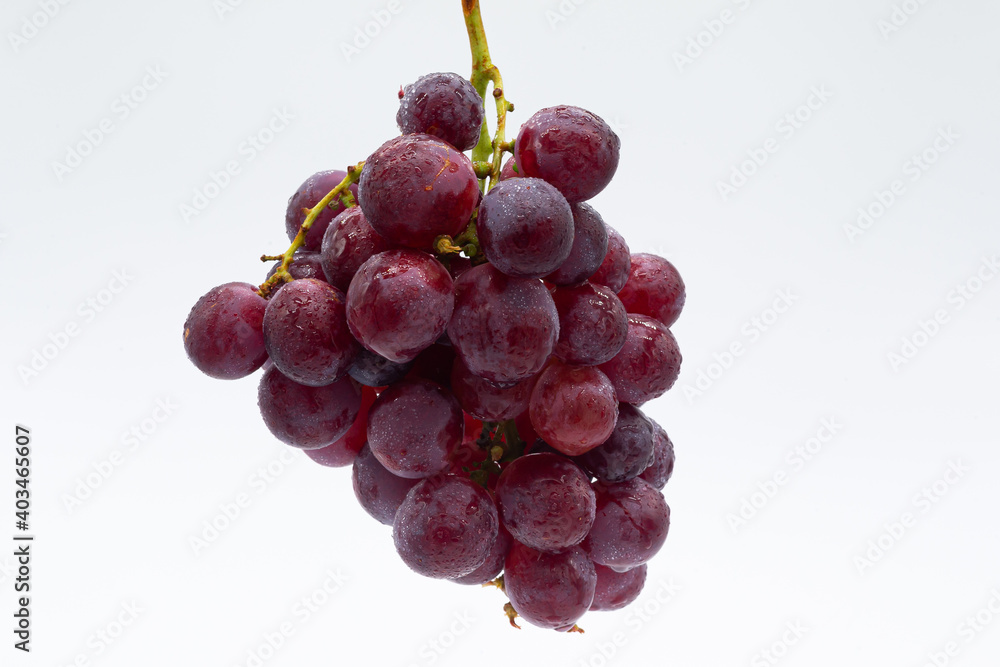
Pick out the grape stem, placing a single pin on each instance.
(281, 274)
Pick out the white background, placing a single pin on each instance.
(721, 592)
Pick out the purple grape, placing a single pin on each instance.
(399, 303)
(571, 148)
(304, 264)
(444, 105)
(223, 333)
(617, 589)
(493, 565)
(593, 324)
(503, 328)
(307, 417)
(486, 400)
(662, 468)
(347, 244)
(573, 408)
(525, 228)
(631, 524)
(343, 451)
(614, 270)
(590, 245)
(654, 288)
(627, 452)
(306, 333)
(549, 590)
(546, 502)
(417, 187)
(372, 370)
(307, 196)
(414, 427)
(648, 364)
(445, 527)
(379, 492)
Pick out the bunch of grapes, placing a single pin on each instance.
(478, 355)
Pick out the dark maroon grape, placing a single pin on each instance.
(525, 227)
(574, 408)
(347, 244)
(223, 333)
(590, 245)
(399, 303)
(593, 324)
(434, 364)
(343, 451)
(372, 370)
(378, 490)
(306, 333)
(445, 527)
(486, 400)
(503, 328)
(654, 288)
(493, 565)
(509, 169)
(307, 417)
(417, 187)
(571, 148)
(614, 270)
(631, 524)
(662, 468)
(648, 364)
(617, 589)
(545, 501)
(304, 264)
(414, 427)
(627, 452)
(444, 105)
(549, 590)
(307, 196)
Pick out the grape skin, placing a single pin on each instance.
(343, 451)
(593, 324)
(630, 526)
(654, 288)
(488, 401)
(308, 195)
(616, 590)
(347, 244)
(648, 364)
(307, 417)
(224, 332)
(614, 270)
(379, 492)
(550, 590)
(627, 452)
(444, 105)
(662, 467)
(493, 565)
(304, 264)
(590, 245)
(573, 408)
(373, 370)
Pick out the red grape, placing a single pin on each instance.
(304, 264)
(493, 565)
(662, 468)
(573, 408)
(627, 452)
(308, 195)
(593, 324)
(590, 245)
(347, 244)
(373, 370)
(444, 105)
(648, 364)
(307, 417)
(617, 589)
(631, 524)
(613, 271)
(343, 451)
(378, 491)
(223, 333)
(486, 400)
(550, 590)
(654, 288)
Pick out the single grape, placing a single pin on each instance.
(654, 288)
(573, 408)
(546, 502)
(373, 370)
(550, 590)
(571, 148)
(223, 333)
(627, 452)
(487, 400)
(648, 364)
(613, 271)
(525, 228)
(306, 333)
(307, 196)
(445, 527)
(399, 303)
(662, 468)
(304, 264)
(414, 427)
(617, 589)
(631, 524)
(444, 105)
(307, 417)
(509, 169)
(493, 565)
(347, 244)
(417, 187)
(343, 451)
(503, 328)
(590, 245)
(593, 324)
(378, 491)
